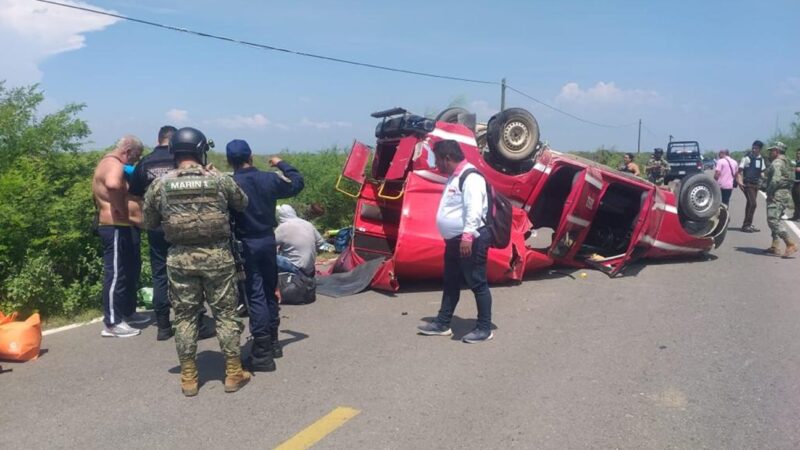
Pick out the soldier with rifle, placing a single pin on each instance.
(148, 169)
(237, 248)
(657, 167)
(191, 205)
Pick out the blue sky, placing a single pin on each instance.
(720, 72)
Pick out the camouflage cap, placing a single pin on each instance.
(779, 146)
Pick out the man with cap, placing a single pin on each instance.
(255, 227)
(778, 184)
(751, 170)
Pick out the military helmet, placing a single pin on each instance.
(658, 151)
(189, 140)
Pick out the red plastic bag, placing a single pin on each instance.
(20, 341)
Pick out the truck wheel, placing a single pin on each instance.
(450, 115)
(513, 134)
(699, 198)
(698, 228)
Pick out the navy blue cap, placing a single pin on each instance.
(238, 149)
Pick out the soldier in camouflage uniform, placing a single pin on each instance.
(191, 205)
(778, 184)
(657, 167)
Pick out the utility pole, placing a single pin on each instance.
(639, 140)
(670, 138)
(503, 94)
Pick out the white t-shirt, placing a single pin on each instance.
(462, 212)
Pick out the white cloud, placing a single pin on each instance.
(790, 86)
(606, 93)
(39, 31)
(238, 122)
(178, 116)
(324, 125)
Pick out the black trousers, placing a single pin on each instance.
(473, 271)
(796, 198)
(726, 196)
(159, 248)
(120, 271)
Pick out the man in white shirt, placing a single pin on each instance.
(751, 171)
(461, 222)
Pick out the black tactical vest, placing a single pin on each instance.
(752, 173)
(796, 173)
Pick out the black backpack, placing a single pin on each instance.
(499, 216)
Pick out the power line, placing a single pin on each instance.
(265, 46)
(569, 114)
(326, 58)
(651, 132)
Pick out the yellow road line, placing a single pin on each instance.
(319, 429)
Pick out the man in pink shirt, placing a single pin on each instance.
(725, 174)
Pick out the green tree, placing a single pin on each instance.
(49, 261)
(791, 138)
(22, 133)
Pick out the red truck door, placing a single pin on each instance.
(354, 168)
(577, 215)
(615, 264)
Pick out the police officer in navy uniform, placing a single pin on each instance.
(255, 227)
(154, 165)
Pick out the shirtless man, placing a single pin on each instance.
(117, 217)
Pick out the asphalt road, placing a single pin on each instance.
(697, 354)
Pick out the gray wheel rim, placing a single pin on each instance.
(515, 136)
(700, 198)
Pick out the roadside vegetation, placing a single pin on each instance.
(50, 261)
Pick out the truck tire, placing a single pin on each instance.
(699, 197)
(450, 115)
(513, 135)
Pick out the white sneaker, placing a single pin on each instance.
(137, 319)
(121, 330)
(127, 326)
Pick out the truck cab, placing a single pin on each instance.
(684, 159)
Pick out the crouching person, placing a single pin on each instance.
(191, 205)
(297, 241)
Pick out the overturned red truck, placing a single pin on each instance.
(569, 211)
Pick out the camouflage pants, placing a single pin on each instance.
(780, 203)
(187, 290)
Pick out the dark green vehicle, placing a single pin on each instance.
(684, 159)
